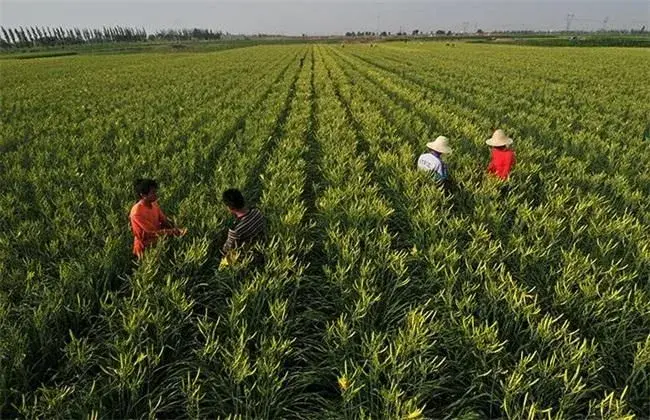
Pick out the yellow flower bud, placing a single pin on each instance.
(415, 414)
(344, 384)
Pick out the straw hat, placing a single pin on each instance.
(498, 139)
(440, 145)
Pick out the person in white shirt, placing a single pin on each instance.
(431, 160)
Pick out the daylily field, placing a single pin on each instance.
(380, 297)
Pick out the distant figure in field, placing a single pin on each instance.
(302, 60)
(249, 225)
(431, 160)
(503, 157)
(148, 221)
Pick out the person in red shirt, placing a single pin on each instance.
(148, 221)
(503, 157)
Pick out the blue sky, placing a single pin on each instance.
(294, 17)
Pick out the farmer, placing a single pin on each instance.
(249, 224)
(431, 160)
(148, 222)
(503, 157)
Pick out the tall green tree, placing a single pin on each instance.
(5, 35)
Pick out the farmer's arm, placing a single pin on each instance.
(168, 227)
(145, 234)
(138, 227)
(231, 242)
(165, 223)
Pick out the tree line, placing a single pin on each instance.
(415, 32)
(34, 36)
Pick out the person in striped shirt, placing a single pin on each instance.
(249, 225)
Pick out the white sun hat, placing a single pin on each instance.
(440, 145)
(499, 139)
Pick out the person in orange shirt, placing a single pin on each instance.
(148, 221)
(503, 157)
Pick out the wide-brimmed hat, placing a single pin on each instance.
(499, 139)
(440, 145)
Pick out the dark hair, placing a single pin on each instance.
(144, 186)
(234, 199)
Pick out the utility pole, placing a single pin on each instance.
(378, 4)
(569, 19)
